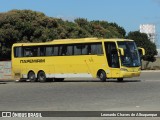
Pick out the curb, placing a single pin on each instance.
(150, 70)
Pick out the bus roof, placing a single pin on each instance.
(67, 41)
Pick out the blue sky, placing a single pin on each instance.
(127, 13)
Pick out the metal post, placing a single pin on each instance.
(0, 50)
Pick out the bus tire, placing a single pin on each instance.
(32, 76)
(42, 76)
(120, 79)
(58, 79)
(102, 76)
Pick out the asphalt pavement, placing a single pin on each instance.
(134, 94)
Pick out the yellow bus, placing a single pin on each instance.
(74, 58)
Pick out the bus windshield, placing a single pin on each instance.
(131, 56)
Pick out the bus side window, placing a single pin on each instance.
(41, 51)
(85, 49)
(35, 51)
(63, 50)
(28, 52)
(55, 50)
(99, 49)
(49, 51)
(69, 50)
(96, 49)
(17, 52)
(89, 49)
(77, 49)
(93, 49)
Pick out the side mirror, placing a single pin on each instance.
(121, 51)
(141, 51)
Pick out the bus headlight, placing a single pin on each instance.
(124, 69)
(139, 69)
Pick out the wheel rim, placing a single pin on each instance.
(101, 76)
(31, 76)
(42, 77)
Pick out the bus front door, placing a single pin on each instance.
(112, 59)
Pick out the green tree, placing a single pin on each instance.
(120, 29)
(101, 28)
(85, 25)
(26, 26)
(31, 26)
(107, 30)
(142, 40)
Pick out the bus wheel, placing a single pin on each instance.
(58, 79)
(41, 76)
(120, 79)
(102, 76)
(31, 76)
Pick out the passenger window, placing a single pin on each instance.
(30, 51)
(55, 50)
(49, 51)
(96, 49)
(69, 50)
(85, 49)
(77, 49)
(18, 52)
(63, 50)
(41, 51)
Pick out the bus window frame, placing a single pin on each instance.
(41, 49)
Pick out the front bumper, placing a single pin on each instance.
(130, 72)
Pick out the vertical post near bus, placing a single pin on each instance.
(2, 44)
(0, 50)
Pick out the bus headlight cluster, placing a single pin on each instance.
(124, 69)
(139, 69)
